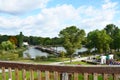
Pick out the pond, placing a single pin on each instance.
(32, 52)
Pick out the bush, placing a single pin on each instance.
(52, 56)
(41, 58)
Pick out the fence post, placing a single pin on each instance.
(95, 76)
(55, 75)
(10, 73)
(85, 76)
(75, 76)
(47, 75)
(31, 74)
(16, 74)
(23, 74)
(39, 75)
(3, 73)
(105, 76)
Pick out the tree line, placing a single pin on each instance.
(104, 40)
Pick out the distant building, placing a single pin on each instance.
(25, 44)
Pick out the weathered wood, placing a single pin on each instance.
(85, 76)
(3, 73)
(95, 76)
(9, 73)
(16, 74)
(116, 76)
(47, 75)
(39, 75)
(75, 76)
(56, 75)
(69, 69)
(23, 74)
(105, 76)
(31, 74)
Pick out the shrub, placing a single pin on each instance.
(41, 58)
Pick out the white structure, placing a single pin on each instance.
(111, 56)
(25, 44)
(103, 59)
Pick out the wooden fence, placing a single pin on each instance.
(25, 71)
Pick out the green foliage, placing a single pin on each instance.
(7, 45)
(62, 54)
(99, 40)
(114, 33)
(20, 39)
(72, 37)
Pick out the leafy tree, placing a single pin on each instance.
(20, 39)
(116, 38)
(72, 38)
(99, 40)
(13, 39)
(110, 29)
(114, 33)
(3, 38)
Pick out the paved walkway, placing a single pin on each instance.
(76, 59)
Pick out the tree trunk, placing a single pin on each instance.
(70, 59)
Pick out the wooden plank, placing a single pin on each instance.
(23, 74)
(85, 76)
(39, 75)
(116, 77)
(75, 76)
(56, 75)
(47, 75)
(9, 73)
(95, 76)
(31, 74)
(16, 74)
(3, 73)
(105, 76)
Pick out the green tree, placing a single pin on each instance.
(72, 38)
(13, 39)
(116, 40)
(99, 40)
(20, 39)
(114, 33)
(7, 45)
(110, 30)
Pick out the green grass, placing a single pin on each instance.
(80, 76)
(78, 63)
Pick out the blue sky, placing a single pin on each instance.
(46, 18)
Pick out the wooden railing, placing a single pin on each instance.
(24, 71)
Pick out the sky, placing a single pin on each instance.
(46, 18)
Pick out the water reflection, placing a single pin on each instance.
(32, 53)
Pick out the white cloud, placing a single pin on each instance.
(51, 20)
(21, 6)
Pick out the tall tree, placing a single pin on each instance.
(73, 38)
(99, 40)
(20, 39)
(114, 33)
(116, 38)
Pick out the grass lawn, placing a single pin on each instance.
(78, 63)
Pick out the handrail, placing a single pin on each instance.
(75, 70)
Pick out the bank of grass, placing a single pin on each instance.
(11, 54)
(46, 61)
(78, 63)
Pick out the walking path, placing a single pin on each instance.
(77, 59)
